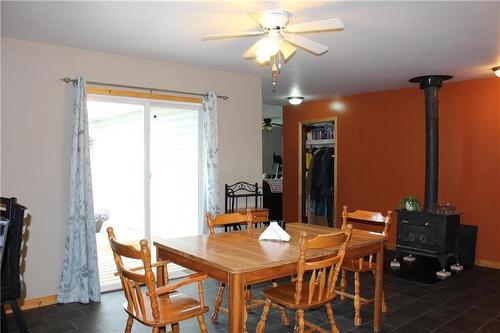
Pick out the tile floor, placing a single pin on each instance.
(468, 302)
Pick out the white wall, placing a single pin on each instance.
(36, 132)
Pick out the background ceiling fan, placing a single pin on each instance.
(281, 37)
(267, 124)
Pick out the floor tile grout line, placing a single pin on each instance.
(491, 320)
(452, 319)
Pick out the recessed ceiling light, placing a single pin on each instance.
(295, 100)
(496, 70)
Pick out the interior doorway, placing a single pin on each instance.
(272, 141)
(317, 167)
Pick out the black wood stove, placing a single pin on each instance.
(429, 233)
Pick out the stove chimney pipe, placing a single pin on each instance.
(431, 84)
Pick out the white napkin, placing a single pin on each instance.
(275, 232)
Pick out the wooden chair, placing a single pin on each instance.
(251, 218)
(160, 304)
(361, 265)
(254, 218)
(258, 216)
(319, 290)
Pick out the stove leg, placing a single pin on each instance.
(395, 264)
(409, 258)
(443, 273)
(457, 268)
(443, 261)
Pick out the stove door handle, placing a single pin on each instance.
(404, 221)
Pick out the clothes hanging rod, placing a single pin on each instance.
(68, 80)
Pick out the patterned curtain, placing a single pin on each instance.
(79, 281)
(210, 155)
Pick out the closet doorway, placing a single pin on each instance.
(318, 171)
(145, 172)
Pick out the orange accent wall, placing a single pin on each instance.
(380, 153)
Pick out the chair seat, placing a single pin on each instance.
(284, 295)
(173, 307)
(353, 266)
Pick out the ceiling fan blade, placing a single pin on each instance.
(322, 25)
(287, 49)
(232, 35)
(258, 16)
(306, 44)
(252, 51)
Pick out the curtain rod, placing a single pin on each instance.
(68, 80)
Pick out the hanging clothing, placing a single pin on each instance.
(325, 179)
(314, 171)
(309, 156)
(319, 185)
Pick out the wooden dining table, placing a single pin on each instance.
(239, 258)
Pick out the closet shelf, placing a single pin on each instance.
(321, 142)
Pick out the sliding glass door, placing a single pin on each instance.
(145, 172)
(174, 170)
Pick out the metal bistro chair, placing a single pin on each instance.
(10, 275)
(239, 193)
(360, 265)
(239, 197)
(160, 304)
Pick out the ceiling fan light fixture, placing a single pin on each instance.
(267, 125)
(295, 100)
(262, 57)
(270, 46)
(496, 70)
(281, 39)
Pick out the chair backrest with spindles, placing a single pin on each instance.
(367, 216)
(257, 216)
(132, 280)
(12, 255)
(324, 272)
(227, 219)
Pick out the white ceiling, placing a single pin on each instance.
(383, 45)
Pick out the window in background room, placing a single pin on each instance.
(145, 173)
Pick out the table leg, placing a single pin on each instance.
(379, 277)
(236, 299)
(160, 277)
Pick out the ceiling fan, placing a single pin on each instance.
(281, 37)
(267, 124)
